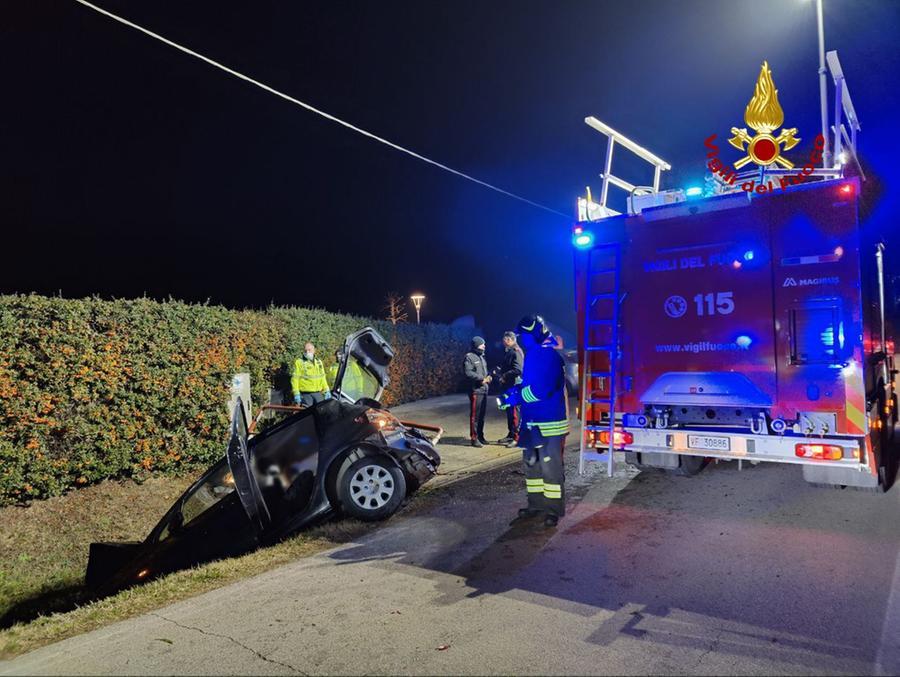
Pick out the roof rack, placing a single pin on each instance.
(588, 210)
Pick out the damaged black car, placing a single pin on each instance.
(346, 454)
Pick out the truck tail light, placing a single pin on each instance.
(622, 437)
(847, 189)
(822, 452)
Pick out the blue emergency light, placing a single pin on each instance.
(694, 191)
(582, 238)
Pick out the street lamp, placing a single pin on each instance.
(417, 302)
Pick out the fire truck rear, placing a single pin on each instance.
(748, 325)
(740, 327)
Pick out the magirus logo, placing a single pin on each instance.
(810, 281)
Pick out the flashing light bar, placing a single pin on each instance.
(693, 191)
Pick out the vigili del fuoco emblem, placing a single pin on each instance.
(764, 115)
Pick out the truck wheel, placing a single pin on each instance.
(688, 465)
(372, 489)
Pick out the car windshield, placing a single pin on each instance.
(217, 485)
(358, 382)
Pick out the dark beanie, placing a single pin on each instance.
(477, 341)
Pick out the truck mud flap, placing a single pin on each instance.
(848, 477)
(649, 459)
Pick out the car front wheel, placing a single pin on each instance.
(372, 489)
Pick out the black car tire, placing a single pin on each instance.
(371, 489)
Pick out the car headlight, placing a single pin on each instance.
(381, 419)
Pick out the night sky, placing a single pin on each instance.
(130, 168)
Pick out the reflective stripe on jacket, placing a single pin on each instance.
(542, 392)
(308, 376)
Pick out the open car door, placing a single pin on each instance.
(363, 373)
(245, 482)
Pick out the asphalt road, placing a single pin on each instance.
(730, 572)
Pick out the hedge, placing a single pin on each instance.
(92, 389)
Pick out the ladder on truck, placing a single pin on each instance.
(602, 303)
(601, 352)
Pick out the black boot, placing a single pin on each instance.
(551, 520)
(525, 513)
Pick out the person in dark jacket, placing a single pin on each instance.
(476, 370)
(545, 420)
(510, 371)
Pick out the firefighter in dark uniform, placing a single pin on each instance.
(545, 421)
(510, 371)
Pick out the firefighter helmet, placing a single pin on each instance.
(535, 326)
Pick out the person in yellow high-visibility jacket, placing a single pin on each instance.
(308, 378)
(354, 382)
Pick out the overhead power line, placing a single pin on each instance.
(317, 111)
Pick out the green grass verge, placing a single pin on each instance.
(44, 546)
(43, 555)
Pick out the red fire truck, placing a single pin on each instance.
(749, 325)
(742, 327)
